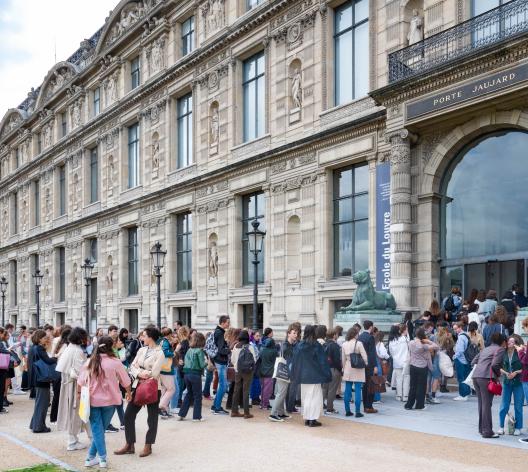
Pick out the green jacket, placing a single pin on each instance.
(512, 366)
(194, 362)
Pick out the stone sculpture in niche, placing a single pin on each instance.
(155, 54)
(213, 260)
(416, 33)
(75, 278)
(76, 114)
(110, 273)
(155, 154)
(47, 136)
(296, 89)
(213, 13)
(215, 125)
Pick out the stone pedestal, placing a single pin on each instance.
(295, 115)
(382, 319)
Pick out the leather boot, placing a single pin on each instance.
(126, 449)
(147, 451)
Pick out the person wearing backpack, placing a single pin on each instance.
(452, 303)
(243, 358)
(193, 368)
(220, 359)
(268, 354)
(465, 352)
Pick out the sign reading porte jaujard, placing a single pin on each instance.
(477, 88)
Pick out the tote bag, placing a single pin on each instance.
(84, 404)
(4, 361)
(446, 366)
(280, 370)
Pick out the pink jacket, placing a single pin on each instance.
(104, 390)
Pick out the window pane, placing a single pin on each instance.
(344, 209)
(344, 71)
(344, 248)
(482, 6)
(343, 18)
(261, 107)
(361, 60)
(344, 183)
(249, 111)
(361, 245)
(361, 207)
(361, 179)
(361, 10)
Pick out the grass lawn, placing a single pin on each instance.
(39, 468)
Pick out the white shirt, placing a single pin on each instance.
(399, 350)
(381, 351)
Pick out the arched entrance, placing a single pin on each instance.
(484, 222)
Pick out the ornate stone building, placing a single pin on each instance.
(183, 121)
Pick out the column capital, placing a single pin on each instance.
(400, 135)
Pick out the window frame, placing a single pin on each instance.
(63, 207)
(135, 73)
(133, 158)
(96, 101)
(184, 124)
(260, 102)
(337, 222)
(188, 39)
(246, 219)
(61, 272)
(133, 261)
(184, 245)
(94, 175)
(351, 29)
(36, 202)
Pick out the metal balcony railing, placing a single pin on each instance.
(504, 22)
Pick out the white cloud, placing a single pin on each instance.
(35, 32)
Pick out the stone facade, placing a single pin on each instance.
(306, 138)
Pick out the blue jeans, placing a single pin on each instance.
(222, 385)
(174, 399)
(525, 389)
(518, 397)
(358, 386)
(193, 382)
(377, 396)
(207, 384)
(100, 417)
(462, 371)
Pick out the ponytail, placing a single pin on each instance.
(104, 345)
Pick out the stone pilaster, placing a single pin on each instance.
(401, 253)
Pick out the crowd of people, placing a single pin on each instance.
(83, 381)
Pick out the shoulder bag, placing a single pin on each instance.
(45, 373)
(280, 370)
(146, 392)
(4, 361)
(494, 386)
(356, 360)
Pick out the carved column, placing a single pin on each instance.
(401, 255)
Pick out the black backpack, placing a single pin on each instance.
(471, 350)
(449, 304)
(246, 361)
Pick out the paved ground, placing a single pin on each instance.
(392, 440)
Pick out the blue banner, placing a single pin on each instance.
(383, 221)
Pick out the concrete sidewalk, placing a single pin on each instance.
(450, 418)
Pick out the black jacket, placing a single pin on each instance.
(287, 351)
(310, 365)
(223, 349)
(370, 346)
(268, 354)
(37, 353)
(333, 354)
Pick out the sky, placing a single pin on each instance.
(34, 32)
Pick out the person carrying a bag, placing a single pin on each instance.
(102, 374)
(41, 343)
(146, 370)
(281, 374)
(354, 359)
(333, 355)
(244, 359)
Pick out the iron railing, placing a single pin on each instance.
(503, 22)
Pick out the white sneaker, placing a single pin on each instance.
(500, 431)
(198, 421)
(76, 446)
(517, 432)
(19, 392)
(91, 462)
(103, 464)
(460, 399)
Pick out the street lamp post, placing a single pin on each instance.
(256, 241)
(3, 289)
(37, 276)
(158, 261)
(87, 268)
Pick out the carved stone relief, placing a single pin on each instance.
(213, 13)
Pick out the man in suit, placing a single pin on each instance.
(370, 346)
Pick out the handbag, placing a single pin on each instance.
(231, 374)
(167, 365)
(281, 370)
(356, 360)
(4, 361)
(494, 386)
(84, 403)
(445, 364)
(146, 392)
(377, 384)
(45, 373)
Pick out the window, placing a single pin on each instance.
(252, 209)
(254, 97)
(252, 4)
(64, 124)
(185, 131)
(184, 251)
(36, 202)
(482, 6)
(92, 249)
(247, 315)
(94, 176)
(132, 261)
(62, 190)
(97, 101)
(351, 220)
(492, 30)
(13, 269)
(61, 270)
(15, 212)
(351, 43)
(188, 36)
(132, 321)
(135, 74)
(184, 314)
(133, 156)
